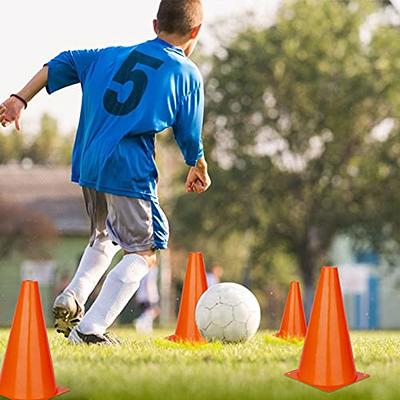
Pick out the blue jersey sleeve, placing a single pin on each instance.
(69, 68)
(188, 126)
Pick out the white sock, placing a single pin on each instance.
(94, 263)
(119, 287)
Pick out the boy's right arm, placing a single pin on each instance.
(198, 180)
(10, 110)
(188, 134)
(68, 68)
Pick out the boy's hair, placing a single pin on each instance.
(179, 16)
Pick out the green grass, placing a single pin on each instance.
(153, 368)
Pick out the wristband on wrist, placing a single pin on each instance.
(20, 99)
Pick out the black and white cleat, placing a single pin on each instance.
(77, 337)
(67, 313)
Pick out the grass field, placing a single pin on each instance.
(153, 368)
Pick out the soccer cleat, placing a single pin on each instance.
(67, 313)
(77, 337)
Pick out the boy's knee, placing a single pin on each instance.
(104, 245)
(131, 269)
(149, 255)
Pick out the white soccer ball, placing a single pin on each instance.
(228, 312)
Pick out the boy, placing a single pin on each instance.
(129, 95)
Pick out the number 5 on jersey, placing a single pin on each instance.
(127, 74)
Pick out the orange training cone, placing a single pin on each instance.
(327, 361)
(27, 372)
(293, 325)
(194, 286)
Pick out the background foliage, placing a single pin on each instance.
(302, 131)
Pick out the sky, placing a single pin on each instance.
(396, 3)
(35, 31)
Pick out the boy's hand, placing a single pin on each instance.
(10, 111)
(198, 180)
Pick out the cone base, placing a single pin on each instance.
(178, 339)
(289, 338)
(59, 392)
(295, 375)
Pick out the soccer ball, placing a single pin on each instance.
(228, 312)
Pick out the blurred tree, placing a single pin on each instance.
(64, 150)
(378, 173)
(301, 118)
(42, 150)
(4, 149)
(384, 2)
(47, 147)
(15, 145)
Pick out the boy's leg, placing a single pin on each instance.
(119, 287)
(131, 224)
(69, 305)
(94, 263)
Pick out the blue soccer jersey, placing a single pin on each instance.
(129, 95)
